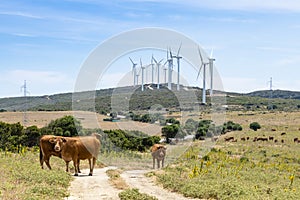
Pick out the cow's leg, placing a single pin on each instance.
(158, 164)
(78, 166)
(67, 166)
(162, 162)
(47, 161)
(153, 163)
(93, 166)
(75, 163)
(41, 158)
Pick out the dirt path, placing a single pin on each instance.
(94, 187)
(136, 179)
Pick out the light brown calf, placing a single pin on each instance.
(158, 153)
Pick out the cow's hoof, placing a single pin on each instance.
(90, 174)
(75, 174)
(79, 171)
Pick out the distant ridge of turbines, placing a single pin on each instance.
(166, 69)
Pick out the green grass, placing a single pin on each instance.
(134, 194)
(22, 177)
(242, 170)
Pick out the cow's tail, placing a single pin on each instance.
(41, 155)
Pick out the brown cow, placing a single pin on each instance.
(47, 150)
(78, 148)
(229, 139)
(158, 153)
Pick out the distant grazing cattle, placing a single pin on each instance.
(158, 153)
(296, 140)
(248, 138)
(78, 148)
(234, 140)
(275, 140)
(283, 133)
(47, 150)
(271, 138)
(243, 139)
(262, 139)
(282, 141)
(229, 139)
(254, 139)
(273, 129)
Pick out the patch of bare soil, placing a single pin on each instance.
(137, 179)
(85, 187)
(98, 186)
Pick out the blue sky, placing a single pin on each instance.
(46, 42)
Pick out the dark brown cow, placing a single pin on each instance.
(158, 153)
(78, 148)
(47, 150)
(296, 139)
(229, 139)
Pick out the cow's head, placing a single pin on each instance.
(58, 143)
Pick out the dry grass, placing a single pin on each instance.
(116, 180)
(87, 119)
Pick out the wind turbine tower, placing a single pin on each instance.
(170, 69)
(134, 72)
(203, 64)
(178, 66)
(157, 65)
(152, 68)
(143, 68)
(211, 69)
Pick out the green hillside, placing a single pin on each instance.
(133, 99)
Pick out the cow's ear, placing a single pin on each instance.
(63, 139)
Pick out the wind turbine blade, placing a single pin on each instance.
(131, 61)
(199, 71)
(160, 61)
(154, 59)
(179, 49)
(200, 55)
(141, 62)
(211, 52)
(171, 56)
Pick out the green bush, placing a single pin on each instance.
(129, 140)
(255, 126)
(134, 194)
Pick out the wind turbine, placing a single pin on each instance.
(170, 69)
(157, 64)
(134, 72)
(203, 64)
(211, 69)
(178, 65)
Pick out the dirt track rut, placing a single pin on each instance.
(94, 187)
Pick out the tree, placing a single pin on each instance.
(65, 126)
(170, 131)
(255, 126)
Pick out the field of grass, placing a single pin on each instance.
(22, 178)
(242, 169)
